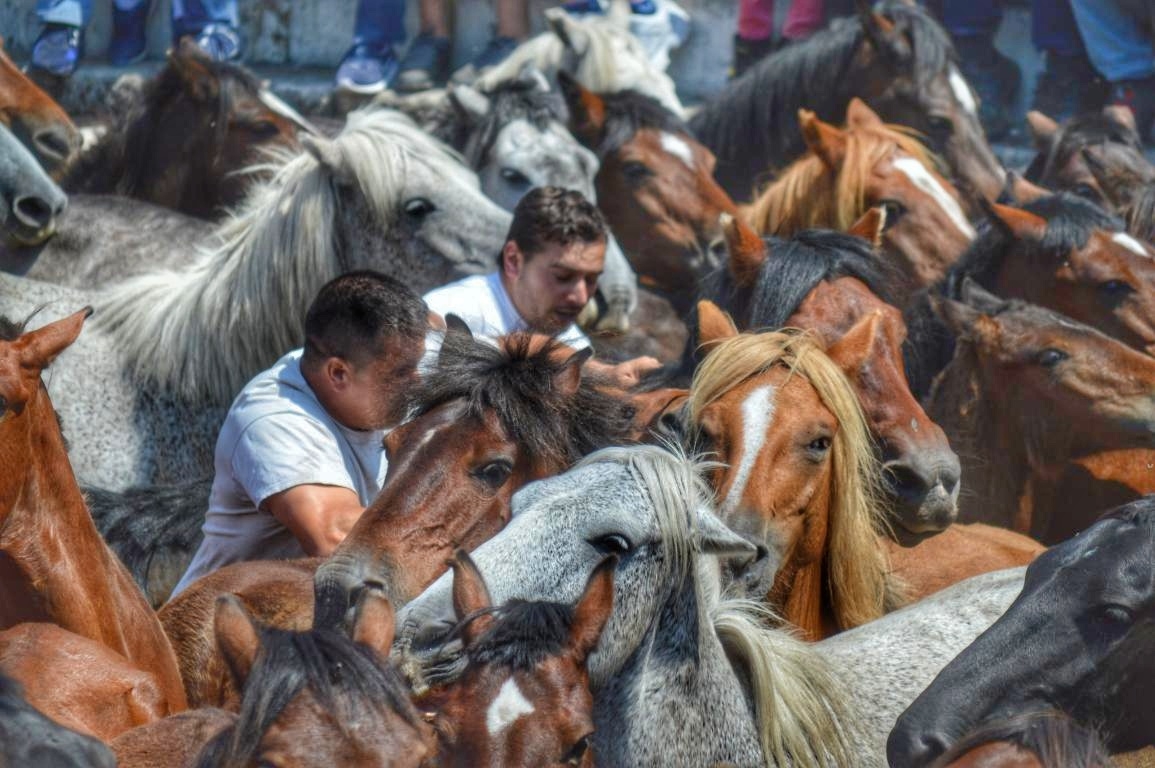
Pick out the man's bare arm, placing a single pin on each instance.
(319, 516)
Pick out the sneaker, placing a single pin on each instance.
(128, 42)
(221, 42)
(1068, 86)
(747, 53)
(1139, 97)
(995, 78)
(367, 70)
(660, 26)
(58, 50)
(426, 64)
(580, 8)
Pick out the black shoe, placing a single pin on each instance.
(1069, 86)
(748, 53)
(426, 64)
(995, 78)
(58, 50)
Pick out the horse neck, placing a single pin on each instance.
(679, 674)
(801, 591)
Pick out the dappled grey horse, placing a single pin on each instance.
(30, 201)
(683, 676)
(143, 392)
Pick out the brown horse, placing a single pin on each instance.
(1031, 740)
(186, 142)
(53, 564)
(655, 185)
(35, 119)
(80, 683)
(311, 700)
(1029, 391)
(847, 172)
(488, 420)
(523, 699)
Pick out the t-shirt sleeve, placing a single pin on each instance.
(283, 450)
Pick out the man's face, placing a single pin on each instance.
(551, 288)
(377, 390)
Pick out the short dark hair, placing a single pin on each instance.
(552, 215)
(352, 313)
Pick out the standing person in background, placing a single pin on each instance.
(659, 25)
(1119, 35)
(755, 38)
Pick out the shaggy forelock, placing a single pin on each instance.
(628, 112)
(10, 330)
(525, 634)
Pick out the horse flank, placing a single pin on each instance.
(203, 331)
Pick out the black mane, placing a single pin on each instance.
(517, 99)
(628, 112)
(518, 385)
(1053, 737)
(523, 635)
(345, 677)
(1082, 131)
(10, 330)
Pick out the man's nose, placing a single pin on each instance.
(580, 293)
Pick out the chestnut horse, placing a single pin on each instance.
(655, 185)
(1029, 391)
(197, 126)
(27, 737)
(311, 700)
(846, 172)
(35, 119)
(53, 564)
(523, 699)
(488, 420)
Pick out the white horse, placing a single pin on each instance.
(682, 676)
(143, 393)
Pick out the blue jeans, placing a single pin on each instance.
(188, 16)
(379, 23)
(1053, 26)
(1118, 41)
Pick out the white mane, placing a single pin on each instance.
(203, 331)
(609, 58)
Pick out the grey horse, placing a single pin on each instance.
(30, 201)
(683, 676)
(144, 393)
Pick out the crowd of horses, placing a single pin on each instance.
(884, 504)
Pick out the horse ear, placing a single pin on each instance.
(870, 226)
(374, 622)
(531, 75)
(469, 102)
(1017, 222)
(568, 30)
(826, 141)
(882, 33)
(746, 251)
(470, 597)
(237, 637)
(593, 609)
(37, 349)
(859, 115)
(1023, 191)
(964, 320)
(851, 352)
(195, 69)
(587, 110)
(714, 325)
(1043, 129)
(569, 378)
(1121, 115)
(325, 152)
(974, 295)
(713, 537)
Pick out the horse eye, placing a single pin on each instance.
(1049, 358)
(894, 212)
(819, 445)
(1116, 288)
(577, 752)
(263, 128)
(940, 125)
(612, 544)
(495, 473)
(514, 177)
(1087, 191)
(636, 172)
(419, 207)
(1117, 614)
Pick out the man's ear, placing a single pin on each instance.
(512, 260)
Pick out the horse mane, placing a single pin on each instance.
(1081, 131)
(745, 120)
(516, 380)
(856, 569)
(11, 330)
(512, 100)
(524, 634)
(202, 331)
(1140, 213)
(343, 676)
(1053, 737)
(628, 112)
(808, 194)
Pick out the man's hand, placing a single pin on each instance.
(628, 373)
(319, 516)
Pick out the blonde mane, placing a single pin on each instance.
(808, 194)
(202, 331)
(856, 566)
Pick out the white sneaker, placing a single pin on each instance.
(661, 31)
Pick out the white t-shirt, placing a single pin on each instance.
(483, 303)
(277, 436)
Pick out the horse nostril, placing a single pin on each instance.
(53, 143)
(905, 479)
(33, 212)
(915, 751)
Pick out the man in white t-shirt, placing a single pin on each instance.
(301, 454)
(549, 268)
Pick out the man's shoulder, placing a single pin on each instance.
(472, 286)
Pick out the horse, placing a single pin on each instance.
(54, 565)
(655, 185)
(27, 737)
(486, 421)
(186, 142)
(311, 699)
(680, 671)
(35, 119)
(524, 698)
(144, 395)
(1076, 639)
(30, 201)
(1045, 739)
(896, 58)
(826, 282)
(847, 172)
(1035, 390)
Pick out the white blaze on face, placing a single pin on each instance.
(678, 147)
(922, 178)
(509, 705)
(962, 91)
(757, 413)
(1131, 244)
